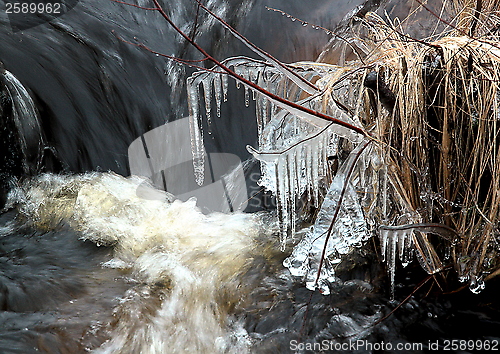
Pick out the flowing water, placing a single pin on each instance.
(89, 265)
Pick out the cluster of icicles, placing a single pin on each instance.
(294, 150)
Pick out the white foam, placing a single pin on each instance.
(197, 257)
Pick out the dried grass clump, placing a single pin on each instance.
(441, 139)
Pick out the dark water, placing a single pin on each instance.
(95, 95)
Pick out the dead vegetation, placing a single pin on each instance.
(440, 128)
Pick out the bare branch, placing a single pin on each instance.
(290, 106)
(297, 79)
(339, 204)
(327, 31)
(176, 59)
(470, 35)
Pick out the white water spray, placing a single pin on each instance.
(187, 266)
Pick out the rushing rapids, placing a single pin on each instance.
(180, 262)
(99, 262)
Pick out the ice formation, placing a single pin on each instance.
(293, 145)
(340, 216)
(217, 84)
(404, 240)
(294, 149)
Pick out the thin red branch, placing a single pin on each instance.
(419, 285)
(408, 37)
(337, 209)
(422, 283)
(250, 84)
(327, 31)
(308, 87)
(330, 229)
(176, 59)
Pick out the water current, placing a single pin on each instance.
(88, 264)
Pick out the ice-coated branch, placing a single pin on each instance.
(442, 230)
(290, 106)
(326, 30)
(355, 154)
(294, 108)
(297, 79)
(401, 240)
(186, 62)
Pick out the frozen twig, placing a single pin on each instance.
(281, 102)
(297, 79)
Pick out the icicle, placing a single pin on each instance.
(247, 99)
(295, 125)
(393, 242)
(385, 192)
(224, 86)
(264, 101)
(401, 241)
(292, 184)
(323, 144)
(282, 190)
(207, 90)
(261, 113)
(297, 155)
(315, 173)
(308, 171)
(253, 72)
(283, 187)
(384, 235)
(391, 259)
(197, 146)
(294, 144)
(261, 107)
(405, 247)
(218, 92)
(388, 248)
